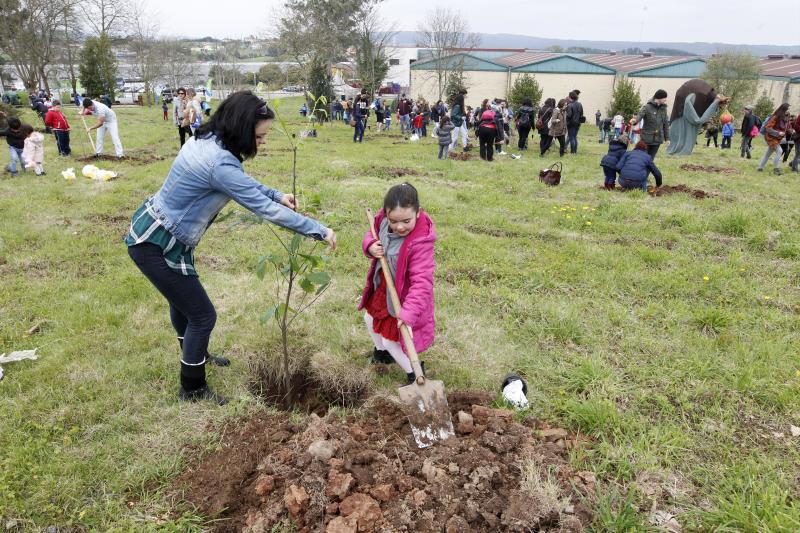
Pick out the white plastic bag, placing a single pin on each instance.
(414, 137)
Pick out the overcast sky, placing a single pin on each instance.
(730, 21)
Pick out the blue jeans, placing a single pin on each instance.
(405, 123)
(16, 157)
(572, 138)
(603, 136)
(358, 133)
(631, 184)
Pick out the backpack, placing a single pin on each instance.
(762, 126)
(455, 116)
(524, 119)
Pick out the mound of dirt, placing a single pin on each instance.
(672, 189)
(461, 156)
(714, 170)
(364, 473)
(144, 158)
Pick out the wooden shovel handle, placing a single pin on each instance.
(407, 339)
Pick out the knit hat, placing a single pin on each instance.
(748, 107)
(661, 93)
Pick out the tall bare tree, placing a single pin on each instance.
(178, 64)
(445, 32)
(148, 63)
(105, 16)
(29, 36)
(372, 58)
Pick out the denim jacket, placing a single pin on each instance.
(204, 177)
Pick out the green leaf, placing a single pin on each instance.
(269, 314)
(306, 285)
(322, 288)
(319, 278)
(261, 269)
(295, 243)
(276, 260)
(315, 260)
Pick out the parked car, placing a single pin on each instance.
(293, 89)
(167, 95)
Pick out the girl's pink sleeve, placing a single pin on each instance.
(367, 242)
(421, 267)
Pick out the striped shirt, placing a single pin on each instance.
(145, 227)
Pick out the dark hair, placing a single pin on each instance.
(87, 103)
(444, 120)
(234, 123)
(403, 195)
(562, 103)
(527, 102)
(782, 110)
(25, 130)
(485, 104)
(641, 145)
(573, 95)
(14, 123)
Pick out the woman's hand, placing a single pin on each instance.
(289, 201)
(376, 249)
(330, 238)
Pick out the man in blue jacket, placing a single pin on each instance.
(635, 166)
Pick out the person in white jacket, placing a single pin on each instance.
(33, 153)
(106, 122)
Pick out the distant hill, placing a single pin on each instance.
(508, 40)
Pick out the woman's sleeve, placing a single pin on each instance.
(690, 114)
(250, 194)
(622, 160)
(421, 267)
(657, 173)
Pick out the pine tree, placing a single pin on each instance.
(764, 107)
(98, 67)
(625, 100)
(525, 87)
(454, 85)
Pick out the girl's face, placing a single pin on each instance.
(402, 220)
(262, 126)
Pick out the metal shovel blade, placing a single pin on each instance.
(428, 414)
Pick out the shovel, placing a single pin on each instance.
(424, 401)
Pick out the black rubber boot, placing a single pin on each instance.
(194, 387)
(411, 377)
(381, 357)
(216, 360)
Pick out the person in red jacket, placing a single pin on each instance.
(406, 238)
(57, 122)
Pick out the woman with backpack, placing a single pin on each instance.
(542, 121)
(525, 123)
(487, 131)
(774, 132)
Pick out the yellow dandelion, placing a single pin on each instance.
(588, 222)
(797, 373)
(585, 207)
(767, 297)
(568, 216)
(563, 209)
(706, 278)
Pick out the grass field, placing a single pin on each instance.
(665, 327)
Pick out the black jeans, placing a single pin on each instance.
(652, 149)
(544, 143)
(561, 145)
(62, 141)
(522, 144)
(182, 131)
(487, 136)
(745, 149)
(190, 310)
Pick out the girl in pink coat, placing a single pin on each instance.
(407, 236)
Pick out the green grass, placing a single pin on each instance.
(667, 328)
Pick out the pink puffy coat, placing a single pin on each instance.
(413, 279)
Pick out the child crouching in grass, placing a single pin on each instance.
(406, 238)
(443, 131)
(616, 149)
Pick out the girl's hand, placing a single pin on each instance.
(289, 201)
(400, 325)
(330, 238)
(376, 249)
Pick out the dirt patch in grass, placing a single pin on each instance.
(395, 172)
(365, 473)
(680, 188)
(710, 169)
(461, 156)
(494, 232)
(134, 158)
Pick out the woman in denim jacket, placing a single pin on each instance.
(164, 231)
